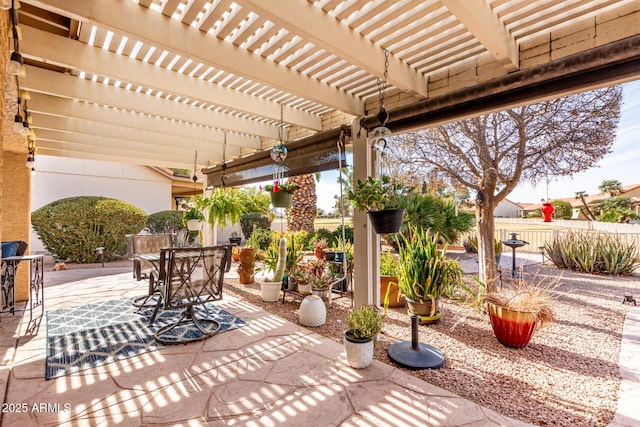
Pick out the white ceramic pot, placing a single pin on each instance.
(270, 291)
(312, 311)
(194, 224)
(359, 352)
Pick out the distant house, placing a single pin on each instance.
(152, 189)
(507, 209)
(629, 191)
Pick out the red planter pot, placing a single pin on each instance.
(512, 328)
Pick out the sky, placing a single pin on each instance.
(623, 164)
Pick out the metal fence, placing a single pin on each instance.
(537, 238)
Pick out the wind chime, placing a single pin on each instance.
(280, 197)
(380, 136)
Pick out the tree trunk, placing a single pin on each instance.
(303, 210)
(486, 247)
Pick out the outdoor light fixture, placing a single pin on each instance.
(25, 128)
(5, 4)
(14, 66)
(31, 158)
(17, 123)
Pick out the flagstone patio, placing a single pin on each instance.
(269, 373)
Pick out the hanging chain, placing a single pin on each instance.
(224, 148)
(382, 84)
(281, 125)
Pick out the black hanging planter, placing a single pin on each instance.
(386, 221)
(281, 199)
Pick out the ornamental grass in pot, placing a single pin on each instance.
(516, 310)
(363, 323)
(425, 274)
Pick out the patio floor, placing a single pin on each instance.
(269, 373)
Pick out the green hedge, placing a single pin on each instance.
(71, 229)
(164, 222)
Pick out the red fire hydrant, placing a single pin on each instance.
(547, 210)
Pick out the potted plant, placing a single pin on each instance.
(271, 285)
(363, 324)
(425, 274)
(192, 219)
(389, 278)
(380, 198)
(222, 205)
(281, 193)
(318, 247)
(516, 310)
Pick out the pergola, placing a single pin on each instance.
(153, 82)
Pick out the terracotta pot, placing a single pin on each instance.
(512, 328)
(319, 253)
(396, 299)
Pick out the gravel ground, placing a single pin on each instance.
(567, 376)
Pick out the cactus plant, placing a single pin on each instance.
(282, 260)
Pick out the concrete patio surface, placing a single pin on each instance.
(269, 373)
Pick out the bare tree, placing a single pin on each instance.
(491, 154)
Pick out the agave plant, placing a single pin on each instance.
(593, 253)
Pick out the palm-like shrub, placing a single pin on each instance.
(436, 214)
(72, 228)
(593, 253)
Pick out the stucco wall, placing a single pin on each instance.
(59, 177)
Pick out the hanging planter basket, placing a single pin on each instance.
(281, 199)
(386, 221)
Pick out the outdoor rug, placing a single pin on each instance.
(91, 335)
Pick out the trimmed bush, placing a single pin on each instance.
(252, 221)
(596, 253)
(164, 222)
(72, 228)
(348, 234)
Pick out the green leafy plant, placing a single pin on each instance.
(596, 253)
(388, 264)
(72, 228)
(278, 186)
(472, 242)
(364, 322)
(376, 194)
(164, 222)
(190, 214)
(224, 204)
(253, 221)
(424, 271)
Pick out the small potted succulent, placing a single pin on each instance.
(380, 198)
(318, 247)
(363, 325)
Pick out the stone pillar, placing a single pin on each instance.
(366, 278)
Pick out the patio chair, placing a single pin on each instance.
(9, 249)
(145, 244)
(186, 278)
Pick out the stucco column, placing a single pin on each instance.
(15, 177)
(366, 278)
